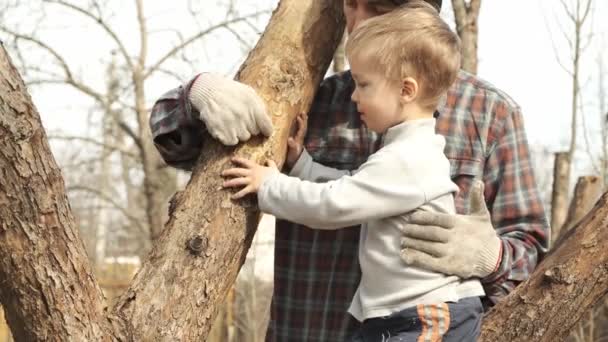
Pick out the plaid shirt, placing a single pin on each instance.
(316, 271)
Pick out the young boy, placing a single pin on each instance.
(398, 85)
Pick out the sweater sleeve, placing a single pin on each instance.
(307, 169)
(382, 187)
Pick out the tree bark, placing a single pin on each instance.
(466, 16)
(586, 193)
(207, 236)
(47, 286)
(572, 278)
(559, 195)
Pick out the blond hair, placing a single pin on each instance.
(392, 4)
(411, 41)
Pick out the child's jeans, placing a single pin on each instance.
(447, 322)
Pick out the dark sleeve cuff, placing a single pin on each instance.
(176, 128)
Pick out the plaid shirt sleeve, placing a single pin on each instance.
(486, 138)
(517, 210)
(176, 128)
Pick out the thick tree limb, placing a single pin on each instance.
(206, 239)
(47, 287)
(564, 286)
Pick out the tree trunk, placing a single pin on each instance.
(47, 287)
(466, 16)
(207, 236)
(588, 189)
(559, 196)
(571, 279)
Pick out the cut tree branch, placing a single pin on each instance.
(568, 283)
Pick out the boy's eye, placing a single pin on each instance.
(351, 3)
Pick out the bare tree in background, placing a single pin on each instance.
(142, 188)
(577, 12)
(466, 16)
(594, 325)
(603, 117)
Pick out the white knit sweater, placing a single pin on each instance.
(409, 172)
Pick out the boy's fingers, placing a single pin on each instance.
(243, 192)
(302, 126)
(271, 163)
(236, 182)
(236, 172)
(243, 161)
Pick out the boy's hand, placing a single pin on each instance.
(250, 176)
(295, 143)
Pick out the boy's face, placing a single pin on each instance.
(357, 11)
(377, 97)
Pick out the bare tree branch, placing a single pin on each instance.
(596, 169)
(460, 12)
(242, 40)
(143, 36)
(474, 6)
(42, 81)
(567, 10)
(188, 41)
(99, 21)
(125, 127)
(134, 220)
(555, 51)
(95, 142)
(69, 79)
(46, 47)
(172, 74)
(586, 11)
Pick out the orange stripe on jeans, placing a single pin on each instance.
(446, 309)
(435, 336)
(422, 317)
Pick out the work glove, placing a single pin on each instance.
(232, 111)
(463, 245)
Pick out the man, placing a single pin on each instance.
(316, 272)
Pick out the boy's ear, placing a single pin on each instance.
(409, 90)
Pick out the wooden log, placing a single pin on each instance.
(559, 196)
(586, 193)
(571, 279)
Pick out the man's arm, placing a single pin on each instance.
(229, 110)
(502, 248)
(516, 208)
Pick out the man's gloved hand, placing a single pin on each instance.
(232, 111)
(463, 245)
